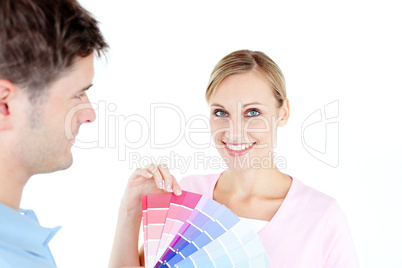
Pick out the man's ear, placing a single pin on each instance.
(284, 113)
(7, 91)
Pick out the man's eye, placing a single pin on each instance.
(79, 96)
(253, 113)
(220, 113)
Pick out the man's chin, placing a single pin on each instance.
(62, 164)
(66, 164)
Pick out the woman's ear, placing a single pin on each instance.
(7, 92)
(284, 113)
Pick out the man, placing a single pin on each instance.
(46, 63)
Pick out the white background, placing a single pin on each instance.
(164, 51)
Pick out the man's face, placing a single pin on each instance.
(51, 125)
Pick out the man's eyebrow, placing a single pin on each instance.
(86, 88)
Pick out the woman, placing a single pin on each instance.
(299, 226)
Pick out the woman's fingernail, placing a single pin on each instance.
(161, 185)
(169, 188)
(149, 175)
(178, 192)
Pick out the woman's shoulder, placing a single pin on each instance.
(202, 184)
(311, 215)
(312, 200)
(300, 189)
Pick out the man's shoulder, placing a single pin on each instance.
(23, 241)
(14, 256)
(3, 262)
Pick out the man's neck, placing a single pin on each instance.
(12, 182)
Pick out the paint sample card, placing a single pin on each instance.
(239, 245)
(218, 223)
(192, 230)
(180, 209)
(157, 210)
(145, 223)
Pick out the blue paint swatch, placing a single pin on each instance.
(182, 239)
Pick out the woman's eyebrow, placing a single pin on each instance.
(244, 105)
(253, 103)
(217, 105)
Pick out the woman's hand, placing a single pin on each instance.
(144, 181)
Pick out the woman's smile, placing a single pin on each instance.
(238, 149)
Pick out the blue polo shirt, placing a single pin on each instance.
(23, 242)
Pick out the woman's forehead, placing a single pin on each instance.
(249, 87)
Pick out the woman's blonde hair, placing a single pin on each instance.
(243, 61)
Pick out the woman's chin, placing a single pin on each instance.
(238, 163)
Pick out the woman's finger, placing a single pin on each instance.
(167, 177)
(176, 186)
(142, 172)
(152, 168)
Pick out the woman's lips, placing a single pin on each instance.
(238, 149)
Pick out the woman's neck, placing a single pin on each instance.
(262, 183)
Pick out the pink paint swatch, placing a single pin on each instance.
(192, 230)
(157, 210)
(145, 223)
(180, 209)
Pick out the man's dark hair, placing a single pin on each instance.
(41, 39)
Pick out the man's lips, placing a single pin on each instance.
(72, 139)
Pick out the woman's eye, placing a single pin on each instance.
(220, 113)
(252, 113)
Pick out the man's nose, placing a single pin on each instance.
(87, 114)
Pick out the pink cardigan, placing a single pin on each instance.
(309, 229)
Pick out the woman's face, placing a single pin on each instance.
(244, 117)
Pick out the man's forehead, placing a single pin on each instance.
(78, 78)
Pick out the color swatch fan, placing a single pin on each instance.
(192, 230)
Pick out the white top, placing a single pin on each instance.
(257, 225)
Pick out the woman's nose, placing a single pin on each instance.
(236, 129)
